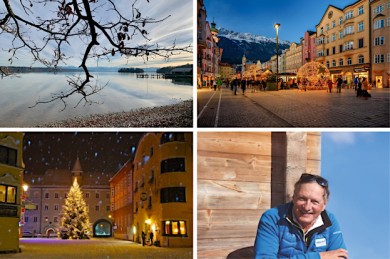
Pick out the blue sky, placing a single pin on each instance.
(258, 16)
(178, 27)
(357, 166)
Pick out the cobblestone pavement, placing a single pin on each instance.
(104, 248)
(293, 108)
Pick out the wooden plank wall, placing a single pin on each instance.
(242, 174)
(234, 189)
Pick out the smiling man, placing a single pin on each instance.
(301, 228)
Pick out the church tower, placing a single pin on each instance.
(77, 172)
(214, 31)
(243, 63)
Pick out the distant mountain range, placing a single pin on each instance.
(255, 47)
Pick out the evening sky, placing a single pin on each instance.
(259, 16)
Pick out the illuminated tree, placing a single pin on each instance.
(49, 30)
(75, 220)
(313, 75)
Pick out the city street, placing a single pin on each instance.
(106, 248)
(292, 108)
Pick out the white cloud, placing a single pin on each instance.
(342, 137)
(178, 27)
(349, 137)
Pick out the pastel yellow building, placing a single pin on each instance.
(380, 42)
(293, 58)
(343, 40)
(11, 177)
(163, 189)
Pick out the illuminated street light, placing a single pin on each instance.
(277, 25)
(25, 187)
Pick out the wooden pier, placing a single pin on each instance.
(156, 76)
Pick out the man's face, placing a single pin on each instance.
(308, 203)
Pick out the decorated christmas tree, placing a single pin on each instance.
(75, 220)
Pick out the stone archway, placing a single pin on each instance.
(102, 228)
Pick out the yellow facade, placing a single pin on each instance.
(293, 58)
(11, 177)
(163, 189)
(343, 40)
(380, 38)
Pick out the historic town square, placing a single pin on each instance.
(326, 67)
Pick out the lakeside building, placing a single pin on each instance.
(11, 193)
(49, 190)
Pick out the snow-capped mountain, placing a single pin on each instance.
(247, 37)
(255, 47)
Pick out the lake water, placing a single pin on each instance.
(124, 92)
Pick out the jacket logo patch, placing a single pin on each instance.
(320, 242)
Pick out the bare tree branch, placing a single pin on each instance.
(65, 22)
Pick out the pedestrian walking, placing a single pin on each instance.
(330, 85)
(143, 236)
(219, 83)
(356, 82)
(339, 83)
(235, 83)
(151, 237)
(243, 86)
(359, 88)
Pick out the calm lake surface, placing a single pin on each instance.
(124, 92)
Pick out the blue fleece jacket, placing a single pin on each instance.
(278, 236)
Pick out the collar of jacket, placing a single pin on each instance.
(308, 236)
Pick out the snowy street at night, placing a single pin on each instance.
(106, 248)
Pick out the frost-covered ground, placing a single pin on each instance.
(38, 248)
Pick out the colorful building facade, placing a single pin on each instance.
(343, 41)
(163, 189)
(121, 198)
(380, 42)
(48, 192)
(11, 178)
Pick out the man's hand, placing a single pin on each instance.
(339, 253)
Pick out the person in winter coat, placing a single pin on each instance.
(301, 228)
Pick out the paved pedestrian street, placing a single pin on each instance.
(292, 108)
(106, 248)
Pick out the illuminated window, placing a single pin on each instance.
(7, 194)
(175, 228)
(2, 193)
(11, 194)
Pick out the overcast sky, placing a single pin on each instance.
(357, 165)
(259, 16)
(177, 28)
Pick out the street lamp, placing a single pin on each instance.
(277, 25)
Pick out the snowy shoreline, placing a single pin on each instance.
(175, 116)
